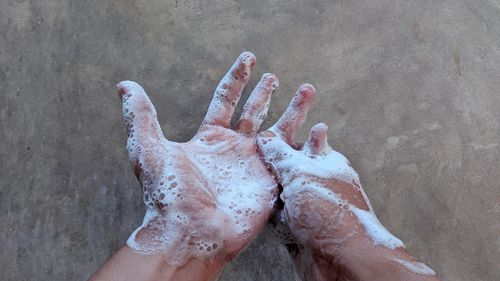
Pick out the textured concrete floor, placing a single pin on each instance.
(410, 90)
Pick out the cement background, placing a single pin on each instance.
(410, 90)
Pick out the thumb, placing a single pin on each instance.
(273, 150)
(271, 147)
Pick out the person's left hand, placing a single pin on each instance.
(209, 197)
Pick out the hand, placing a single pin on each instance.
(327, 221)
(209, 197)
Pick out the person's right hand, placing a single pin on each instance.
(326, 212)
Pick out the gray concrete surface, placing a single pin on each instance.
(410, 90)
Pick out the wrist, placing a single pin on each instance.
(364, 256)
(179, 239)
(361, 260)
(194, 270)
(132, 265)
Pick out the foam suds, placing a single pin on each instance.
(328, 165)
(416, 267)
(378, 233)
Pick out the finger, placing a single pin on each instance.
(229, 90)
(255, 109)
(317, 142)
(276, 153)
(268, 146)
(296, 113)
(143, 130)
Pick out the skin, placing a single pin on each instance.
(212, 194)
(321, 193)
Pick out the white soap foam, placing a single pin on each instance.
(328, 165)
(148, 218)
(377, 232)
(416, 267)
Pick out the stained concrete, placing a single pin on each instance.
(410, 90)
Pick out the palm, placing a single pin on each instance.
(212, 192)
(221, 173)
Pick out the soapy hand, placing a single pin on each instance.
(327, 221)
(321, 190)
(209, 197)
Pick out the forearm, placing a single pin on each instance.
(360, 261)
(376, 263)
(127, 265)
